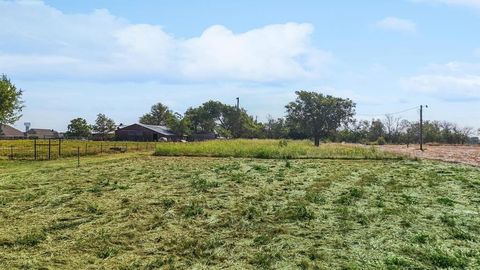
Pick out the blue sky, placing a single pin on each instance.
(80, 58)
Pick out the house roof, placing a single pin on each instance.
(158, 129)
(42, 132)
(8, 131)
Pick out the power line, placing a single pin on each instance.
(382, 114)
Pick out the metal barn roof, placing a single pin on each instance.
(158, 129)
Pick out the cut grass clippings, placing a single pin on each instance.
(146, 212)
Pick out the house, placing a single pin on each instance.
(142, 132)
(40, 133)
(8, 132)
(473, 140)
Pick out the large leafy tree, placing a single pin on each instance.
(179, 124)
(205, 117)
(319, 115)
(78, 128)
(103, 125)
(226, 120)
(275, 128)
(159, 115)
(11, 103)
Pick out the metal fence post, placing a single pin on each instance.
(59, 147)
(35, 149)
(78, 156)
(86, 147)
(11, 151)
(101, 148)
(49, 148)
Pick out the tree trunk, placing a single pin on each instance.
(317, 140)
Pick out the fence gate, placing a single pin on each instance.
(47, 149)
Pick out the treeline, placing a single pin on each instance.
(311, 116)
(395, 130)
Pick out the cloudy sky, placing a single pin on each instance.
(118, 57)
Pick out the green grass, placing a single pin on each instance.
(24, 149)
(136, 211)
(268, 149)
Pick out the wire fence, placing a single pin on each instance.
(49, 149)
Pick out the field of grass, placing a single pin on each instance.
(24, 149)
(270, 149)
(136, 211)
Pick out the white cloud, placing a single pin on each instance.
(451, 81)
(396, 24)
(40, 41)
(466, 3)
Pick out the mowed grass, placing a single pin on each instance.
(136, 211)
(270, 149)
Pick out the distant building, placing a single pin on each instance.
(103, 136)
(8, 132)
(202, 136)
(141, 132)
(40, 133)
(474, 140)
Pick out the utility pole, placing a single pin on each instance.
(238, 118)
(421, 126)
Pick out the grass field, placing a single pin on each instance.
(271, 149)
(24, 149)
(137, 211)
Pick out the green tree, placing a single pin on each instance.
(179, 124)
(159, 115)
(11, 103)
(376, 130)
(275, 128)
(205, 118)
(78, 128)
(226, 120)
(103, 125)
(319, 115)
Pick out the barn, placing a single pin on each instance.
(142, 132)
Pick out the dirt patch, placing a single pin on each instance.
(451, 153)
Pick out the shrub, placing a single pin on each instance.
(381, 141)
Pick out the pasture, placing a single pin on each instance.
(44, 149)
(138, 211)
(271, 149)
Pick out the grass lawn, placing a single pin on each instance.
(136, 211)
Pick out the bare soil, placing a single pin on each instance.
(451, 153)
